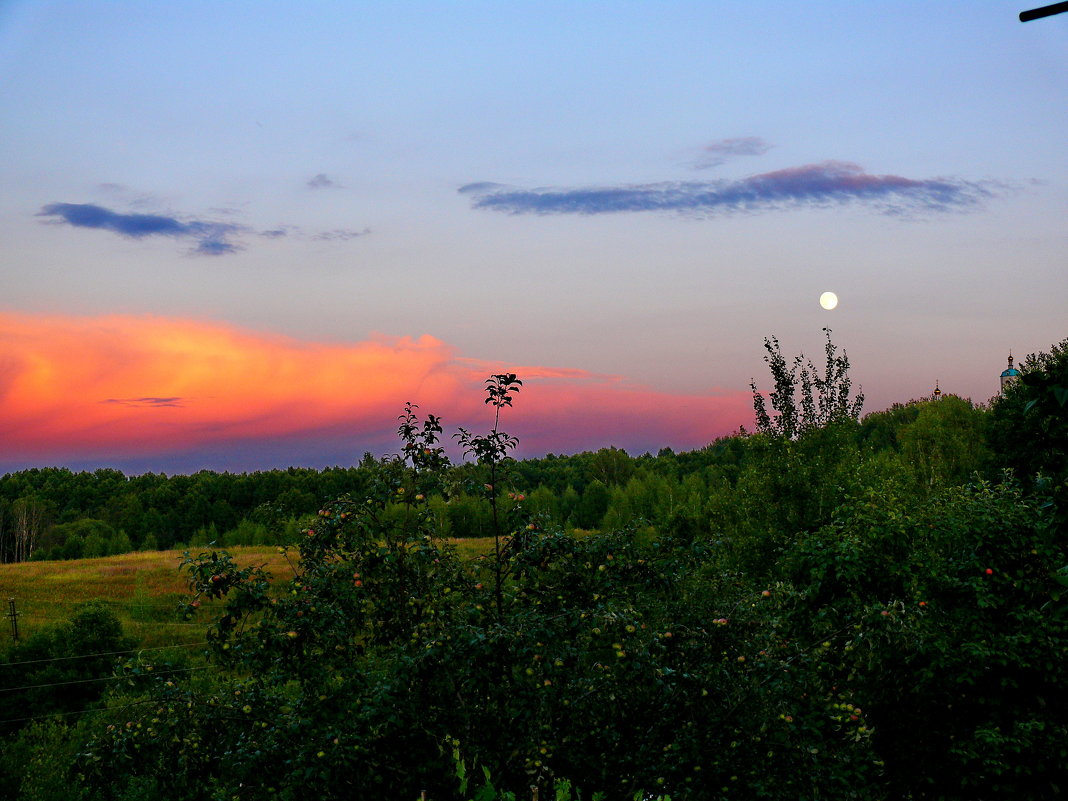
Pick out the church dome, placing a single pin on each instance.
(1009, 374)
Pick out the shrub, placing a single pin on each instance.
(62, 667)
(944, 619)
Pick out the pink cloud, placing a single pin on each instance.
(104, 390)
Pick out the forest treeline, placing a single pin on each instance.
(55, 513)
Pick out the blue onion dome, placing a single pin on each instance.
(1010, 372)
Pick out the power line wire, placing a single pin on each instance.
(102, 653)
(106, 709)
(78, 712)
(38, 621)
(102, 678)
(125, 601)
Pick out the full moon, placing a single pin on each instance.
(828, 300)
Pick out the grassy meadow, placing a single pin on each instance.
(142, 589)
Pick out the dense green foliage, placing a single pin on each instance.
(43, 511)
(1030, 422)
(845, 609)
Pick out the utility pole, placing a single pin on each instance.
(14, 619)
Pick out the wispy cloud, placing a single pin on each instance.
(146, 402)
(719, 152)
(340, 235)
(323, 181)
(167, 391)
(209, 238)
(829, 183)
(295, 232)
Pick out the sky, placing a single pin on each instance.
(240, 236)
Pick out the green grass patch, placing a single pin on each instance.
(143, 590)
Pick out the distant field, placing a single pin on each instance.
(143, 589)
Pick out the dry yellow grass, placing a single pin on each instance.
(143, 589)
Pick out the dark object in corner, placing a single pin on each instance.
(1045, 11)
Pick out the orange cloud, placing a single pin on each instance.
(76, 389)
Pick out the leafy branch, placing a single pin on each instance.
(492, 450)
(823, 399)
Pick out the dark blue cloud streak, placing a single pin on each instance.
(829, 183)
(719, 152)
(340, 235)
(211, 238)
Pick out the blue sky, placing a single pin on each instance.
(638, 191)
